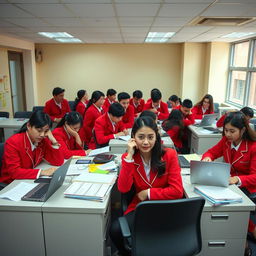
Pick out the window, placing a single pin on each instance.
(242, 74)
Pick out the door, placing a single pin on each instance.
(17, 81)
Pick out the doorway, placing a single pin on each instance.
(16, 70)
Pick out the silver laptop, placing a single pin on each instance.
(208, 120)
(209, 173)
(43, 191)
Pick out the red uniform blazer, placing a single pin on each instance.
(163, 112)
(106, 105)
(220, 122)
(90, 116)
(104, 130)
(80, 107)
(198, 112)
(168, 186)
(188, 119)
(54, 111)
(137, 109)
(174, 135)
(19, 160)
(68, 143)
(244, 161)
(128, 118)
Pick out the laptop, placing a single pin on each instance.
(208, 120)
(184, 163)
(43, 191)
(209, 173)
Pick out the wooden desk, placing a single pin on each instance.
(200, 141)
(224, 228)
(11, 125)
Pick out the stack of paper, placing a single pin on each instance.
(96, 178)
(218, 195)
(88, 191)
(125, 137)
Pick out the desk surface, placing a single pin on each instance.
(201, 132)
(12, 122)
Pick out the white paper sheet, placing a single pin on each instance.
(99, 151)
(16, 193)
(125, 138)
(96, 178)
(77, 169)
(108, 166)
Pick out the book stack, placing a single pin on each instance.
(91, 186)
(218, 195)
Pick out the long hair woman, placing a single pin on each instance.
(203, 107)
(154, 172)
(81, 102)
(26, 149)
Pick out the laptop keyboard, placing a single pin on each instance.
(40, 192)
(184, 163)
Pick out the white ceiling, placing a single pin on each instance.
(121, 21)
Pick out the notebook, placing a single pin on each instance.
(209, 173)
(44, 190)
(208, 120)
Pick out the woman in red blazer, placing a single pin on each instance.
(92, 112)
(237, 147)
(153, 171)
(81, 102)
(203, 107)
(175, 128)
(66, 133)
(26, 149)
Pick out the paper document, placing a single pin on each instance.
(108, 166)
(125, 137)
(16, 193)
(99, 151)
(88, 191)
(218, 195)
(190, 157)
(77, 169)
(166, 139)
(96, 178)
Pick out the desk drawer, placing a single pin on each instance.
(234, 247)
(194, 143)
(106, 221)
(218, 225)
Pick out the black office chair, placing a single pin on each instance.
(23, 114)
(2, 185)
(4, 114)
(216, 107)
(126, 198)
(72, 105)
(36, 108)
(165, 227)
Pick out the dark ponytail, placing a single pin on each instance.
(95, 97)
(72, 118)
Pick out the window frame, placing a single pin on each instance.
(249, 70)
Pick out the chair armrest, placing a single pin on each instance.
(2, 185)
(124, 227)
(252, 196)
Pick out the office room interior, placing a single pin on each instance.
(113, 51)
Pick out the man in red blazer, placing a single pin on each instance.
(128, 118)
(185, 109)
(137, 102)
(57, 107)
(109, 125)
(156, 105)
(111, 98)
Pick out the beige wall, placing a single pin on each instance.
(27, 48)
(99, 67)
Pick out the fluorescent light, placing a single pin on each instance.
(55, 34)
(158, 37)
(238, 34)
(68, 40)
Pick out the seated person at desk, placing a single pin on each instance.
(185, 109)
(57, 107)
(156, 105)
(203, 107)
(173, 101)
(109, 126)
(137, 102)
(154, 171)
(26, 149)
(92, 112)
(110, 99)
(81, 102)
(66, 133)
(248, 112)
(174, 127)
(128, 118)
(237, 147)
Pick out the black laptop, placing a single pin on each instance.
(43, 191)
